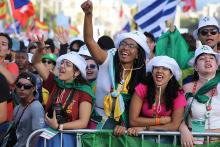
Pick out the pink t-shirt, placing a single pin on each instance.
(141, 91)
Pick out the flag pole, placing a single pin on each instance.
(41, 11)
(13, 21)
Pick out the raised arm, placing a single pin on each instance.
(36, 60)
(98, 54)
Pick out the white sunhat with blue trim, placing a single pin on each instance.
(167, 62)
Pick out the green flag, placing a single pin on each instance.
(173, 45)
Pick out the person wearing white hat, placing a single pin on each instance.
(158, 103)
(70, 102)
(202, 112)
(120, 71)
(84, 52)
(208, 32)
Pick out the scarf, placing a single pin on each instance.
(119, 93)
(82, 87)
(200, 94)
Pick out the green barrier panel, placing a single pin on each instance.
(107, 139)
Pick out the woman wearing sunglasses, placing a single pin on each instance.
(92, 69)
(120, 71)
(24, 115)
(70, 102)
(49, 60)
(202, 112)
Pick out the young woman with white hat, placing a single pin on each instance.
(120, 71)
(158, 103)
(70, 102)
(202, 113)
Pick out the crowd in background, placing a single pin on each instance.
(132, 83)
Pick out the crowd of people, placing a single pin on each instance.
(132, 83)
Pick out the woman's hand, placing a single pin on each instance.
(187, 139)
(135, 130)
(87, 7)
(52, 122)
(62, 35)
(119, 130)
(165, 120)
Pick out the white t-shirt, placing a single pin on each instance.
(198, 111)
(103, 84)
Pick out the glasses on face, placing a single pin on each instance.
(25, 86)
(91, 66)
(46, 61)
(125, 44)
(205, 32)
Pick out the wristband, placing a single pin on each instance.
(157, 121)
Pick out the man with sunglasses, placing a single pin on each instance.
(208, 32)
(29, 114)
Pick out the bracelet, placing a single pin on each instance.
(146, 127)
(157, 121)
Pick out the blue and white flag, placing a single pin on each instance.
(152, 15)
(127, 27)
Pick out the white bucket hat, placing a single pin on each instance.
(205, 21)
(204, 49)
(76, 59)
(137, 36)
(167, 62)
(84, 51)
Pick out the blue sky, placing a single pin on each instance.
(199, 3)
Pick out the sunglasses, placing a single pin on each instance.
(25, 86)
(91, 66)
(46, 61)
(205, 32)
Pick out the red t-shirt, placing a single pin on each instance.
(12, 67)
(141, 90)
(78, 97)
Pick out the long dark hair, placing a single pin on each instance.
(171, 91)
(137, 75)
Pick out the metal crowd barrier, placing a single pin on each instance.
(79, 132)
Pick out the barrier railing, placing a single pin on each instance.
(80, 132)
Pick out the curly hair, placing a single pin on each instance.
(137, 75)
(170, 94)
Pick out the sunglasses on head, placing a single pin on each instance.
(205, 32)
(25, 86)
(46, 61)
(91, 66)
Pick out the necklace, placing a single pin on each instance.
(157, 106)
(60, 97)
(208, 103)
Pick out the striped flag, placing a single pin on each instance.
(152, 15)
(127, 27)
(22, 10)
(41, 25)
(2, 10)
(74, 31)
